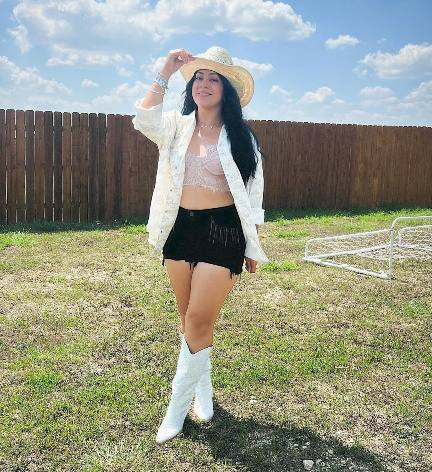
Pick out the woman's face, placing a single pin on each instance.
(207, 88)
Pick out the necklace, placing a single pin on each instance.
(209, 126)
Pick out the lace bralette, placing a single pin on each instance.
(206, 171)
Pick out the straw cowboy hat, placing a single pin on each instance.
(218, 60)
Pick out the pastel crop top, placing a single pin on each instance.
(206, 171)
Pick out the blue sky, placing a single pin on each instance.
(335, 61)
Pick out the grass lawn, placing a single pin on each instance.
(309, 362)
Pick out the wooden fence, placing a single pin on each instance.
(83, 167)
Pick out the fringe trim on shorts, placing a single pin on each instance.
(194, 263)
(223, 234)
(226, 236)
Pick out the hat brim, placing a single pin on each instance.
(240, 78)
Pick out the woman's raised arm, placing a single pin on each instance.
(149, 119)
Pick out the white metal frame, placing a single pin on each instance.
(391, 246)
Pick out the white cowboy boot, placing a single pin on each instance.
(203, 402)
(189, 370)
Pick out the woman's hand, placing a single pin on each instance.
(250, 264)
(175, 59)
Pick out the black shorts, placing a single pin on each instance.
(213, 235)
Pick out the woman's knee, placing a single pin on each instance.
(198, 321)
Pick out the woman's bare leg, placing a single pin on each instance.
(180, 275)
(210, 286)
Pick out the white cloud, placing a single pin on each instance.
(119, 96)
(255, 68)
(257, 20)
(344, 113)
(30, 78)
(412, 61)
(377, 96)
(123, 72)
(279, 91)
(418, 102)
(376, 92)
(360, 71)
(378, 106)
(318, 96)
(38, 96)
(263, 20)
(136, 21)
(87, 83)
(421, 94)
(42, 17)
(119, 100)
(20, 37)
(363, 117)
(71, 57)
(341, 41)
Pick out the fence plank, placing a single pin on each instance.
(322, 182)
(117, 166)
(76, 168)
(425, 145)
(29, 166)
(134, 190)
(424, 160)
(3, 214)
(20, 166)
(93, 167)
(39, 166)
(58, 164)
(293, 156)
(49, 164)
(147, 152)
(124, 165)
(109, 167)
(11, 166)
(84, 167)
(102, 158)
(67, 167)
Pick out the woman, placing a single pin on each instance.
(205, 206)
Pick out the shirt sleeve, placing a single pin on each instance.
(255, 190)
(156, 125)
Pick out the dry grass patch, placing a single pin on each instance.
(309, 363)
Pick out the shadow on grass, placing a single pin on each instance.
(259, 447)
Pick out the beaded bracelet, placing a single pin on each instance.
(161, 81)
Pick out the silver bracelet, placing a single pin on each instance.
(161, 81)
(155, 91)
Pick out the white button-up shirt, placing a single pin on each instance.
(172, 132)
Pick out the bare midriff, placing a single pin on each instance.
(198, 198)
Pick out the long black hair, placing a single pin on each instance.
(238, 131)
